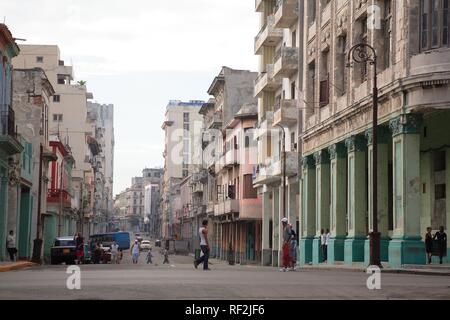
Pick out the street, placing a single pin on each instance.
(180, 280)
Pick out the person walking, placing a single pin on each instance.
(79, 243)
(325, 248)
(135, 252)
(429, 245)
(441, 238)
(114, 253)
(166, 257)
(204, 246)
(11, 246)
(149, 256)
(286, 260)
(322, 244)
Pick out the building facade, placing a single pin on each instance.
(182, 126)
(10, 143)
(277, 89)
(152, 195)
(411, 41)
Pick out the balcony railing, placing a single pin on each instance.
(215, 121)
(56, 195)
(268, 35)
(286, 62)
(231, 158)
(286, 13)
(7, 121)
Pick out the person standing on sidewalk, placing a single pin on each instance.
(441, 237)
(11, 246)
(429, 245)
(325, 248)
(79, 243)
(204, 245)
(114, 253)
(287, 259)
(322, 244)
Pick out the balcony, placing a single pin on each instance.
(219, 164)
(227, 206)
(197, 188)
(266, 81)
(215, 121)
(266, 124)
(286, 113)
(259, 5)
(58, 196)
(286, 62)
(286, 13)
(231, 158)
(269, 36)
(272, 170)
(8, 136)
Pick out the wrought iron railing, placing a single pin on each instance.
(7, 121)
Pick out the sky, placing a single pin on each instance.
(138, 55)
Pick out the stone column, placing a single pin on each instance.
(322, 201)
(308, 211)
(447, 203)
(338, 193)
(292, 204)
(276, 249)
(357, 201)
(406, 246)
(267, 210)
(382, 190)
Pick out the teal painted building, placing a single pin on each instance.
(9, 143)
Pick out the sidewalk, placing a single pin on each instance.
(9, 266)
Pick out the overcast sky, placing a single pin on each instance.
(138, 55)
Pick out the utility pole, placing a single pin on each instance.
(37, 244)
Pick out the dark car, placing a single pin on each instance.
(63, 250)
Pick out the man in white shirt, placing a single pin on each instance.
(11, 245)
(204, 245)
(114, 252)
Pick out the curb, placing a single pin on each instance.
(17, 266)
(386, 270)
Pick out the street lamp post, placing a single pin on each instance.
(364, 53)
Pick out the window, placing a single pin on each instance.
(249, 191)
(387, 31)
(311, 11)
(324, 81)
(58, 117)
(363, 40)
(269, 146)
(293, 142)
(56, 98)
(186, 116)
(342, 72)
(293, 90)
(40, 59)
(294, 38)
(311, 83)
(434, 24)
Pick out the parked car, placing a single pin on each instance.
(158, 243)
(145, 245)
(63, 250)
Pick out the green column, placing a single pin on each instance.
(3, 210)
(406, 246)
(276, 226)
(267, 210)
(322, 201)
(338, 193)
(382, 190)
(357, 201)
(307, 217)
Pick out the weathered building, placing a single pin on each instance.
(277, 90)
(182, 126)
(152, 196)
(411, 41)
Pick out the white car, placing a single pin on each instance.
(145, 245)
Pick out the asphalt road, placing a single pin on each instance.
(180, 280)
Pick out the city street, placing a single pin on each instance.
(180, 280)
